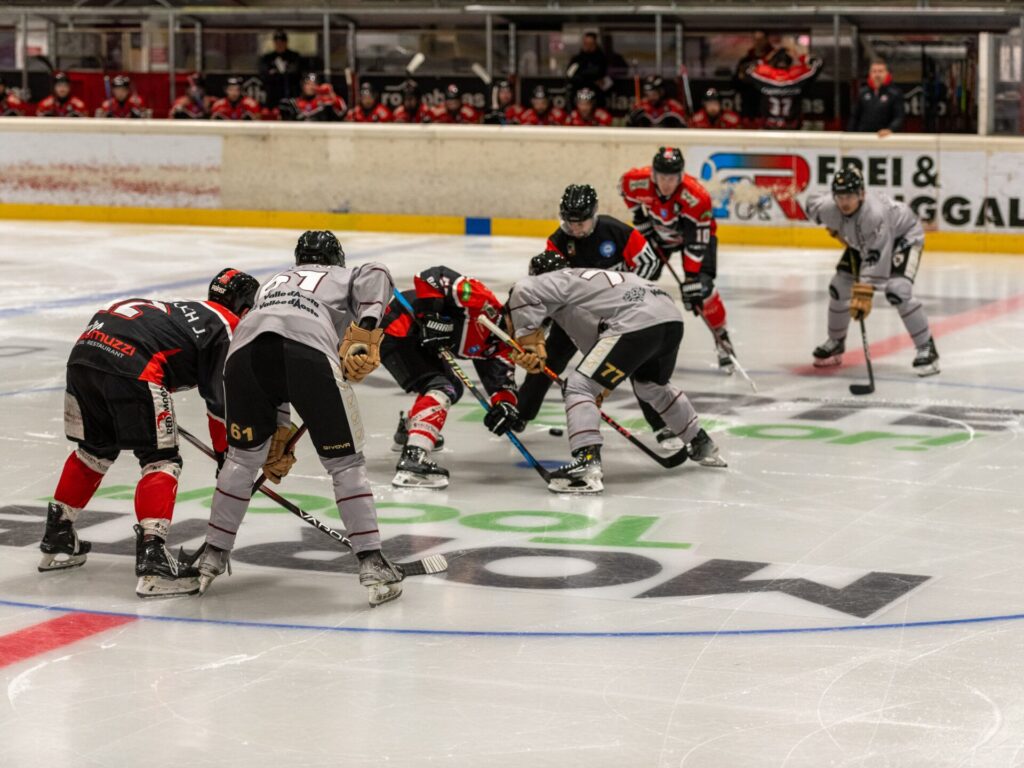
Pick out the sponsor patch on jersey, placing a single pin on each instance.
(606, 249)
(898, 258)
(690, 199)
(465, 290)
(634, 295)
(639, 184)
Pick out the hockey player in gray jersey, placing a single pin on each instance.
(627, 328)
(883, 240)
(312, 331)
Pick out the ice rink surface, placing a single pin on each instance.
(849, 592)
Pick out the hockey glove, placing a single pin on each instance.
(534, 355)
(279, 463)
(694, 290)
(502, 417)
(436, 332)
(360, 352)
(860, 301)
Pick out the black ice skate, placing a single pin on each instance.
(726, 352)
(380, 577)
(582, 475)
(669, 440)
(61, 546)
(401, 436)
(416, 470)
(159, 574)
(926, 361)
(830, 353)
(703, 450)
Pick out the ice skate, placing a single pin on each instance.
(160, 575)
(416, 470)
(401, 436)
(830, 353)
(582, 475)
(210, 562)
(61, 546)
(926, 361)
(380, 577)
(726, 352)
(703, 450)
(669, 440)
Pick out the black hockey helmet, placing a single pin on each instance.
(121, 81)
(234, 81)
(234, 290)
(452, 93)
(196, 80)
(61, 77)
(504, 85)
(848, 179)
(410, 88)
(668, 160)
(579, 203)
(585, 94)
(366, 88)
(549, 261)
(319, 247)
(539, 92)
(654, 83)
(311, 77)
(712, 94)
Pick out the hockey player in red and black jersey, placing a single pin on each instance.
(587, 113)
(122, 102)
(541, 111)
(61, 103)
(195, 104)
(657, 110)
(369, 109)
(235, 106)
(511, 112)
(712, 114)
(447, 305)
(588, 239)
(11, 105)
(316, 103)
(454, 110)
(674, 212)
(121, 374)
(412, 108)
(780, 78)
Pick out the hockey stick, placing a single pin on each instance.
(732, 357)
(674, 460)
(865, 389)
(288, 448)
(428, 565)
(449, 358)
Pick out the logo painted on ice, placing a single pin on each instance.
(783, 177)
(606, 249)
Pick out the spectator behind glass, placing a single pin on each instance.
(589, 67)
(879, 105)
(280, 70)
(750, 95)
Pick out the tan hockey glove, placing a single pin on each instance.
(860, 301)
(360, 352)
(279, 463)
(534, 355)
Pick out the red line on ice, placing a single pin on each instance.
(55, 633)
(901, 341)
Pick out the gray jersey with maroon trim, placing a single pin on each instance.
(313, 304)
(874, 230)
(590, 303)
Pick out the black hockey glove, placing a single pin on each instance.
(694, 290)
(502, 417)
(436, 332)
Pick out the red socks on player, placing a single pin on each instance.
(78, 482)
(426, 419)
(714, 311)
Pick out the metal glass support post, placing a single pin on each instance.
(23, 23)
(679, 48)
(352, 46)
(327, 47)
(489, 33)
(512, 52)
(986, 89)
(658, 53)
(197, 30)
(170, 56)
(836, 111)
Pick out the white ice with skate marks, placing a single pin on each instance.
(903, 514)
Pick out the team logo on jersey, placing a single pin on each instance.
(898, 258)
(606, 249)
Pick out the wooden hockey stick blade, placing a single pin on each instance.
(480, 72)
(415, 63)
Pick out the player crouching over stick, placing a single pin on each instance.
(631, 329)
(312, 330)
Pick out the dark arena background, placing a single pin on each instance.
(822, 568)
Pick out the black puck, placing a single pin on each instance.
(556, 432)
